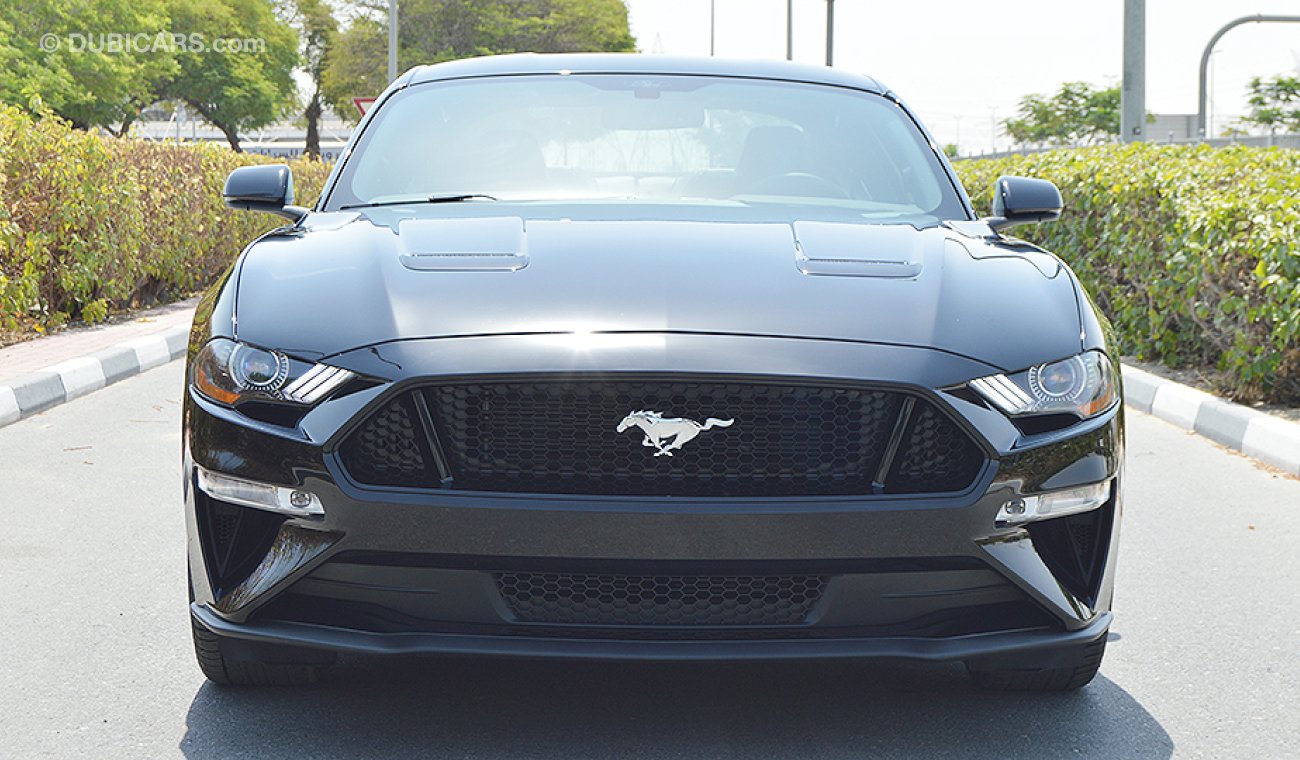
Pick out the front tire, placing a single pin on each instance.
(228, 663)
(1002, 676)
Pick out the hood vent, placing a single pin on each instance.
(489, 244)
(855, 250)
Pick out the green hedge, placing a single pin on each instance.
(1190, 250)
(90, 225)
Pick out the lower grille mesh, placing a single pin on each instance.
(660, 600)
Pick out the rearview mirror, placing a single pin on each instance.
(1021, 200)
(262, 188)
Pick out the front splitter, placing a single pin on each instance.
(1042, 646)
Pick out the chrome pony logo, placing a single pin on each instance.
(658, 430)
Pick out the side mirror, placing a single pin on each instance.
(1021, 200)
(262, 188)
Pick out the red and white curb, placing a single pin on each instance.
(37, 391)
(1269, 439)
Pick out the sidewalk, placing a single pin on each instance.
(44, 372)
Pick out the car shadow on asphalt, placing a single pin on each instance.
(521, 708)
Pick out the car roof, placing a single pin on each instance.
(632, 63)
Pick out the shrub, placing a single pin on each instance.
(90, 225)
(1190, 250)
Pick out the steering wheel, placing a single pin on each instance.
(797, 183)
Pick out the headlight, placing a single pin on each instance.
(230, 372)
(1084, 385)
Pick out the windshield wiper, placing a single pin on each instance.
(447, 198)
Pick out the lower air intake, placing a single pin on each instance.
(660, 600)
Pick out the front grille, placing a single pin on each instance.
(560, 436)
(660, 600)
(390, 449)
(935, 455)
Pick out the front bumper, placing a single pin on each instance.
(395, 572)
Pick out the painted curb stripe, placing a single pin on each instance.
(1274, 441)
(150, 351)
(37, 391)
(79, 376)
(1252, 432)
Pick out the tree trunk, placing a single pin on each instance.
(232, 136)
(124, 128)
(312, 114)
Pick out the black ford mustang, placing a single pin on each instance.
(635, 357)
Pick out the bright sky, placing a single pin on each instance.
(961, 65)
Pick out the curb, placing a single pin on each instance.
(37, 391)
(1267, 438)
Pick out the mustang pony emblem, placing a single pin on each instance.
(659, 429)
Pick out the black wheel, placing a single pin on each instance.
(1001, 676)
(229, 663)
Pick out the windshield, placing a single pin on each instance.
(681, 139)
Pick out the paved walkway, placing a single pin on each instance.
(23, 358)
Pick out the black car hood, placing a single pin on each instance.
(346, 280)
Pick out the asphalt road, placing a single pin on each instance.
(95, 655)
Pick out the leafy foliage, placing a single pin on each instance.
(1077, 113)
(232, 61)
(89, 225)
(431, 31)
(82, 80)
(234, 90)
(1190, 250)
(1274, 103)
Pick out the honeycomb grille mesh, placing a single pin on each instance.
(660, 600)
(389, 448)
(560, 436)
(935, 455)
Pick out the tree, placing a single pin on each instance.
(1077, 113)
(1274, 103)
(430, 31)
(239, 75)
(317, 31)
(95, 63)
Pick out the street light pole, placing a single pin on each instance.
(1202, 96)
(789, 30)
(830, 32)
(1133, 94)
(392, 40)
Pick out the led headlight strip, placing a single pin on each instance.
(1005, 394)
(316, 383)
